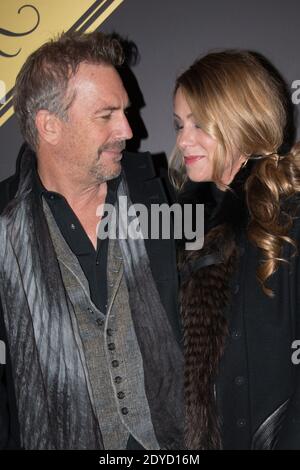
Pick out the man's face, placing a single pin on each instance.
(95, 132)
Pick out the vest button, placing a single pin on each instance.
(111, 346)
(109, 332)
(124, 411)
(236, 334)
(118, 380)
(239, 380)
(241, 423)
(121, 395)
(115, 363)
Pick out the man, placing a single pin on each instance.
(90, 324)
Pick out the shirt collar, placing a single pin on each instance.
(40, 190)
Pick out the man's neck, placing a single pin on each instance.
(80, 196)
(85, 200)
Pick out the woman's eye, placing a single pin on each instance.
(177, 126)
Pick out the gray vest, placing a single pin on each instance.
(115, 375)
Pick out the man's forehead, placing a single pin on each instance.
(100, 73)
(100, 81)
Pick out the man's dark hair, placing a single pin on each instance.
(43, 80)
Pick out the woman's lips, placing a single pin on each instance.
(190, 159)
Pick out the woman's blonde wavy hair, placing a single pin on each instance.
(242, 105)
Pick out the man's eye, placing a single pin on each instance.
(106, 117)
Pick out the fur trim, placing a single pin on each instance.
(204, 298)
(205, 295)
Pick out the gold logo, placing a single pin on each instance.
(26, 26)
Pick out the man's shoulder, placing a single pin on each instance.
(9, 186)
(138, 164)
(8, 189)
(147, 172)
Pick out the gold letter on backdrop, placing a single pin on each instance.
(26, 25)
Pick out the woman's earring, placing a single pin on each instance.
(245, 163)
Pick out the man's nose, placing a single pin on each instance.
(126, 132)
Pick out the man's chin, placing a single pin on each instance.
(117, 173)
(114, 174)
(117, 166)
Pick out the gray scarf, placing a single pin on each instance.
(52, 386)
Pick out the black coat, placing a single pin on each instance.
(258, 379)
(258, 385)
(144, 188)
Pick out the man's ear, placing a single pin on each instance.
(49, 126)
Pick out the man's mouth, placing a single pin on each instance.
(116, 153)
(116, 148)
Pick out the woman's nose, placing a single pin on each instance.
(185, 138)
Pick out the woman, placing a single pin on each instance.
(240, 294)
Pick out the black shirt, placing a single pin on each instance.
(93, 262)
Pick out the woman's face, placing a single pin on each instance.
(197, 146)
